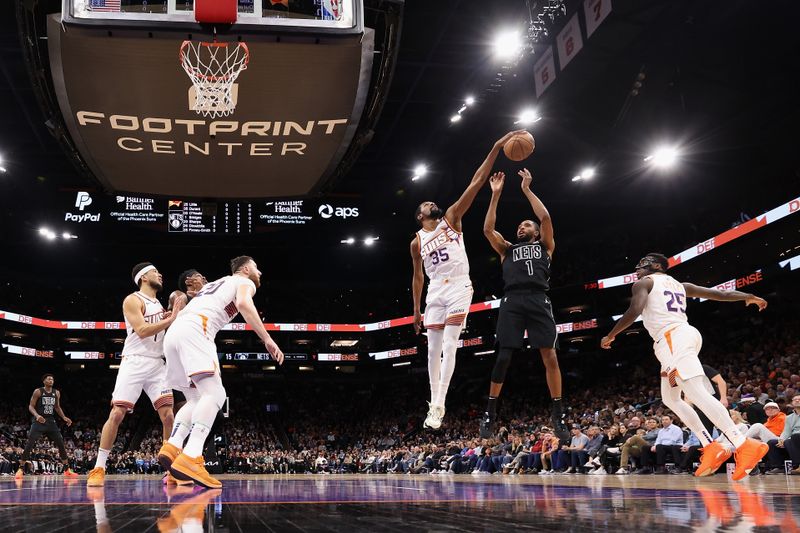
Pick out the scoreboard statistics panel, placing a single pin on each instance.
(188, 216)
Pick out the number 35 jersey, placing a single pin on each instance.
(665, 307)
(443, 252)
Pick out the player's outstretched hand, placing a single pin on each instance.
(605, 343)
(755, 300)
(274, 351)
(527, 179)
(68, 421)
(417, 322)
(504, 139)
(496, 182)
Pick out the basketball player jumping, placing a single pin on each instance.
(661, 302)
(189, 284)
(142, 366)
(44, 405)
(525, 305)
(193, 367)
(439, 246)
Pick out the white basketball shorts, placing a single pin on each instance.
(137, 373)
(447, 303)
(190, 353)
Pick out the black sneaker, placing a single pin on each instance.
(774, 471)
(487, 426)
(644, 471)
(557, 417)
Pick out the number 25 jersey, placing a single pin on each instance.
(443, 253)
(666, 305)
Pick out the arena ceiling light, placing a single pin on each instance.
(349, 240)
(455, 118)
(469, 100)
(663, 157)
(419, 172)
(507, 44)
(2, 167)
(528, 116)
(586, 174)
(369, 241)
(48, 233)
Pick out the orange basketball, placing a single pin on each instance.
(519, 147)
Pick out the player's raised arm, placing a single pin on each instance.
(417, 281)
(497, 241)
(132, 308)
(541, 212)
(32, 406)
(696, 291)
(640, 291)
(245, 305)
(456, 211)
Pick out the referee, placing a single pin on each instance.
(44, 405)
(525, 305)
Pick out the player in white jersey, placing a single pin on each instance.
(661, 302)
(439, 247)
(193, 367)
(142, 366)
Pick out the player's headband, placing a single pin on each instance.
(142, 272)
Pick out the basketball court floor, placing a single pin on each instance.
(405, 503)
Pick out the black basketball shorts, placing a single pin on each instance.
(526, 311)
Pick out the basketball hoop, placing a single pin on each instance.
(213, 68)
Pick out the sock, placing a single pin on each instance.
(202, 419)
(671, 396)
(102, 457)
(183, 423)
(179, 433)
(696, 392)
(197, 438)
(491, 406)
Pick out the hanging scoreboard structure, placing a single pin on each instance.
(215, 98)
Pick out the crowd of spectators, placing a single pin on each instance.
(618, 423)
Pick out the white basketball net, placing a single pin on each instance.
(213, 68)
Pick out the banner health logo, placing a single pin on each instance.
(82, 200)
(328, 211)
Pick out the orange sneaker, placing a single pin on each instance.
(711, 458)
(169, 479)
(19, 474)
(717, 505)
(194, 469)
(167, 454)
(69, 473)
(747, 457)
(753, 507)
(96, 477)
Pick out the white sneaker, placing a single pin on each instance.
(569, 470)
(590, 464)
(600, 471)
(622, 471)
(595, 462)
(432, 421)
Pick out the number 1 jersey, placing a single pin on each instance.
(666, 305)
(443, 253)
(526, 266)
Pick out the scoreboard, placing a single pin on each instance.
(189, 216)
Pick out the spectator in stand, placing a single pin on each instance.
(752, 410)
(549, 452)
(575, 454)
(593, 447)
(772, 428)
(633, 446)
(610, 451)
(788, 444)
(668, 441)
(689, 453)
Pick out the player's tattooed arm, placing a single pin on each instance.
(417, 282)
(640, 291)
(541, 212)
(456, 211)
(696, 291)
(499, 244)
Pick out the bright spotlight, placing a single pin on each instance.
(349, 240)
(43, 231)
(663, 157)
(420, 170)
(2, 169)
(455, 118)
(587, 173)
(507, 45)
(50, 236)
(369, 241)
(576, 178)
(469, 100)
(66, 235)
(528, 116)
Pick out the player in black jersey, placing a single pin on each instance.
(44, 405)
(525, 305)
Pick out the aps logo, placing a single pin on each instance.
(328, 211)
